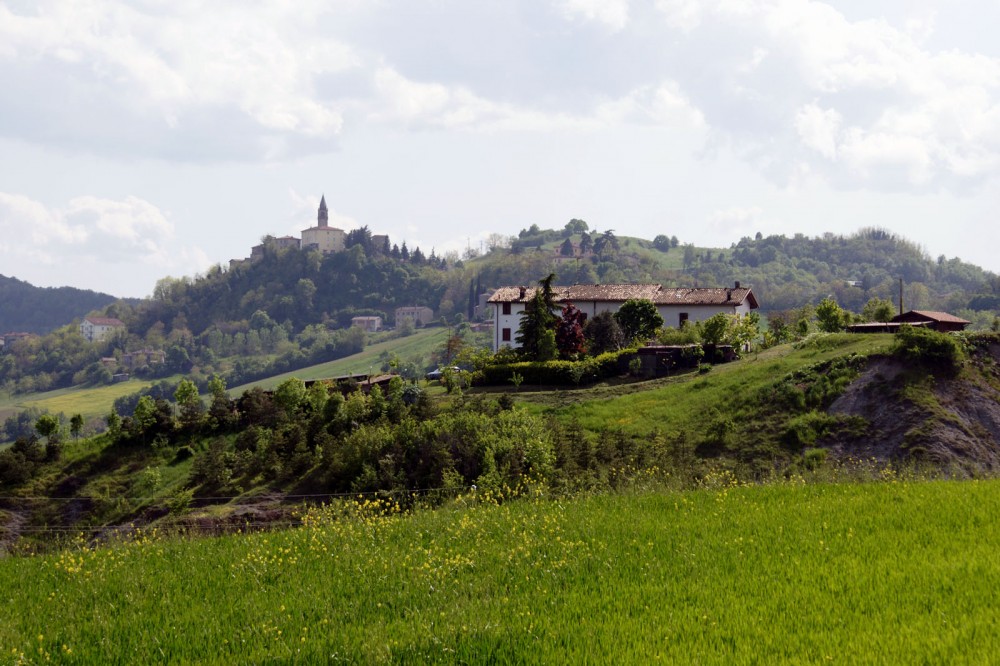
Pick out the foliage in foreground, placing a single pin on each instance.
(865, 573)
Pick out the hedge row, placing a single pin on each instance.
(557, 373)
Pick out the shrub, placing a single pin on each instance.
(556, 373)
(927, 347)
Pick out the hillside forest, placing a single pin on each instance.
(292, 308)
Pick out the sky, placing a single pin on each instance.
(156, 138)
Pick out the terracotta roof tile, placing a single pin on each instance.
(579, 293)
(105, 321)
(932, 315)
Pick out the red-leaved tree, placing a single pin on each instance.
(570, 340)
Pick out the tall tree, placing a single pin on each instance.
(570, 340)
(537, 318)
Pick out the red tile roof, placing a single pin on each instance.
(931, 315)
(104, 321)
(617, 293)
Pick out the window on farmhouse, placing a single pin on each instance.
(506, 308)
(682, 319)
(505, 334)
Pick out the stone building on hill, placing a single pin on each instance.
(323, 237)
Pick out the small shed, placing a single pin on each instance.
(939, 321)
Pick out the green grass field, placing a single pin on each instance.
(90, 402)
(416, 346)
(891, 572)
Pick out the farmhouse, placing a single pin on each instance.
(675, 304)
(96, 329)
(367, 324)
(418, 315)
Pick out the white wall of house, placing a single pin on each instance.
(506, 325)
(672, 313)
(671, 316)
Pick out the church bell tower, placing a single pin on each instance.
(322, 218)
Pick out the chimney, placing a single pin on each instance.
(522, 290)
(737, 284)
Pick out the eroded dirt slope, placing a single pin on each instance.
(913, 413)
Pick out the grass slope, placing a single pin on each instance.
(896, 572)
(416, 346)
(90, 402)
(687, 402)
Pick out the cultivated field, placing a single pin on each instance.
(882, 572)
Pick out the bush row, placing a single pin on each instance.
(557, 373)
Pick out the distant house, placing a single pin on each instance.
(367, 324)
(675, 304)
(138, 359)
(938, 321)
(12, 337)
(417, 315)
(96, 329)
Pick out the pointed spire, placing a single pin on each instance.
(322, 219)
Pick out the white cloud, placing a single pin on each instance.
(800, 81)
(167, 68)
(91, 235)
(818, 129)
(612, 13)
(736, 222)
(662, 104)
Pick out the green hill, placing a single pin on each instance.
(29, 309)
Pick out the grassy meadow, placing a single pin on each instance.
(419, 345)
(884, 572)
(90, 402)
(687, 401)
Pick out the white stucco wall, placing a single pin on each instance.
(670, 313)
(502, 321)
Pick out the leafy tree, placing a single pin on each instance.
(191, 410)
(744, 330)
(144, 417)
(76, 425)
(47, 425)
(878, 309)
(715, 329)
(537, 319)
(570, 340)
(639, 319)
(566, 249)
(575, 226)
(830, 316)
(662, 243)
(586, 243)
(289, 396)
(603, 334)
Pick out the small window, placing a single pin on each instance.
(506, 308)
(682, 319)
(505, 334)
